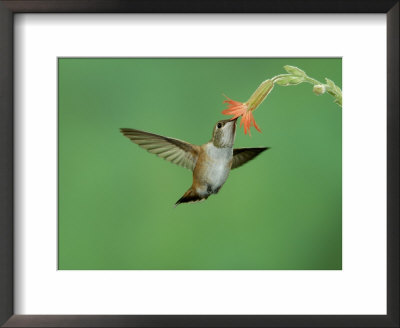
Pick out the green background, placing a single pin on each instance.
(116, 201)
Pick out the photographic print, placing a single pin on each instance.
(199, 164)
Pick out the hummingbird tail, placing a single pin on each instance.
(190, 196)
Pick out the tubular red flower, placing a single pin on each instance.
(245, 110)
(238, 109)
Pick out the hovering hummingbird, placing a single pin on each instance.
(210, 163)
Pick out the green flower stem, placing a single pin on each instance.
(296, 76)
(312, 81)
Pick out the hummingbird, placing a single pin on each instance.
(211, 162)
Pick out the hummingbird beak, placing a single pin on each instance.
(230, 121)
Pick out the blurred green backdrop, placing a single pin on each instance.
(281, 211)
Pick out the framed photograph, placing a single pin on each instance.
(98, 184)
(212, 164)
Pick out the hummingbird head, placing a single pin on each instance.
(224, 133)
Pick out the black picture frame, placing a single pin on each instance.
(10, 7)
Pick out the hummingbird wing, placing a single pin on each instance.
(243, 155)
(176, 151)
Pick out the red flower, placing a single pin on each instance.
(245, 110)
(237, 109)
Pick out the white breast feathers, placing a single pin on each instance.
(218, 170)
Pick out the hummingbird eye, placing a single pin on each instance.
(219, 125)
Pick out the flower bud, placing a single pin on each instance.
(294, 71)
(319, 89)
(289, 80)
